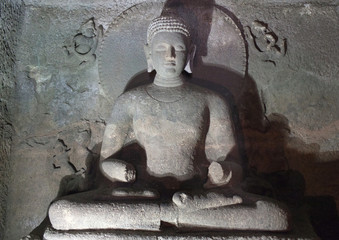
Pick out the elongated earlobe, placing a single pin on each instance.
(188, 67)
(150, 67)
(190, 58)
(147, 51)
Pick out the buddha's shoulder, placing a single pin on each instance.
(133, 94)
(203, 92)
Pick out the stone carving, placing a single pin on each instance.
(205, 34)
(266, 41)
(191, 178)
(81, 49)
(31, 237)
(41, 76)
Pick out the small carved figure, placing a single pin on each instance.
(84, 43)
(266, 41)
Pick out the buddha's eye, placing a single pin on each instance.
(160, 48)
(180, 48)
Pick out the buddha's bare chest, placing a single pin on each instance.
(185, 119)
(171, 133)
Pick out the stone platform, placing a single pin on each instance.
(301, 230)
(51, 234)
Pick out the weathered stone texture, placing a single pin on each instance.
(10, 16)
(287, 106)
(297, 89)
(110, 235)
(59, 117)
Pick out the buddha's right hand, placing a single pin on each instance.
(224, 173)
(117, 170)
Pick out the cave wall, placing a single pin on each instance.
(296, 80)
(287, 105)
(10, 18)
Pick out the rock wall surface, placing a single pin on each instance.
(293, 64)
(287, 104)
(10, 16)
(60, 111)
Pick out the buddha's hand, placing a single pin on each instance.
(117, 170)
(223, 173)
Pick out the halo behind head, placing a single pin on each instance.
(167, 24)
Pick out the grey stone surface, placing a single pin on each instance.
(209, 211)
(135, 20)
(10, 19)
(302, 229)
(298, 91)
(306, 87)
(55, 235)
(183, 128)
(158, 126)
(66, 215)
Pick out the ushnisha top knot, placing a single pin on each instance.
(167, 24)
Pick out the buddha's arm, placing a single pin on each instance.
(220, 142)
(116, 132)
(220, 137)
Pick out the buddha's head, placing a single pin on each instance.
(168, 50)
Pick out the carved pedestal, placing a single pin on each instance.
(303, 233)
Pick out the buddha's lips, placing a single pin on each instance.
(170, 63)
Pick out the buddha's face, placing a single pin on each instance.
(169, 54)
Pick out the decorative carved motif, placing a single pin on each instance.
(81, 49)
(266, 41)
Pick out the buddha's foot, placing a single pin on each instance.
(210, 200)
(262, 216)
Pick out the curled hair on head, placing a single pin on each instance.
(167, 24)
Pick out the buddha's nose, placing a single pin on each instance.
(170, 53)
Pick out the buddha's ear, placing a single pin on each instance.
(147, 50)
(190, 58)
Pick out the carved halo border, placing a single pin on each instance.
(117, 68)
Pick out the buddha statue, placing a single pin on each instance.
(192, 178)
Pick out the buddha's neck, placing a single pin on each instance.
(169, 82)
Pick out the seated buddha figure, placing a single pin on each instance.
(187, 134)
